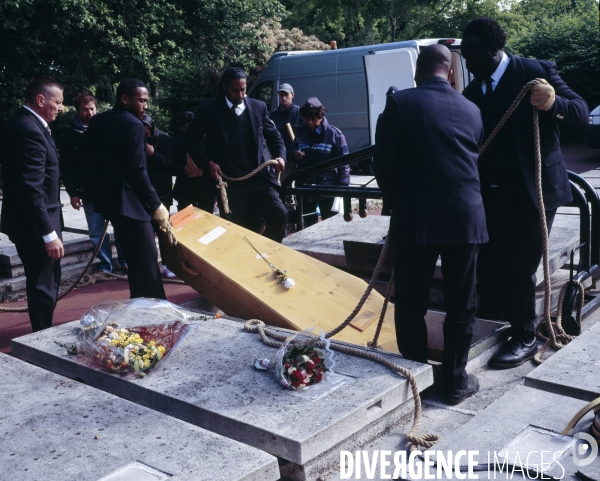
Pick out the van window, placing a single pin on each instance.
(264, 91)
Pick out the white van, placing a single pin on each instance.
(351, 82)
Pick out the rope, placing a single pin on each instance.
(560, 338)
(222, 186)
(425, 440)
(388, 294)
(99, 276)
(557, 338)
(367, 293)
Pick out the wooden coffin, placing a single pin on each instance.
(216, 260)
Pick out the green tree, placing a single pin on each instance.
(84, 44)
(567, 35)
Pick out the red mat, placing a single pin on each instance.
(72, 307)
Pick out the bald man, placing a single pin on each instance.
(428, 141)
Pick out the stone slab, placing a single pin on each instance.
(523, 411)
(594, 181)
(591, 173)
(55, 428)
(574, 370)
(209, 381)
(486, 334)
(324, 240)
(363, 180)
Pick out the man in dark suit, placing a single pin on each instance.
(236, 131)
(507, 265)
(427, 141)
(31, 214)
(115, 142)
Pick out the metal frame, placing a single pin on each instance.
(586, 199)
(362, 192)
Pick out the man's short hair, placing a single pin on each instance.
(83, 98)
(128, 87)
(185, 118)
(490, 33)
(40, 85)
(232, 73)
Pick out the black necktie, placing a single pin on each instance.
(488, 89)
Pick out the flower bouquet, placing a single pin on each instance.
(301, 362)
(131, 337)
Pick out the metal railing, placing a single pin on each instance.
(360, 192)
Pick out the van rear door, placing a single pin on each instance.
(384, 69)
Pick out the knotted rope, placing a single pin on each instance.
(222, 186)
(425, 440)
(557, 338)
(85, 280)
(561, 338)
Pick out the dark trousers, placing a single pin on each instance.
(42, 274)
(413, 274)
(508, 263)
(188, 191)
(137, 240)
(310, 206)
(256, 200)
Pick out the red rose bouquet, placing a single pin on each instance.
(301, 362)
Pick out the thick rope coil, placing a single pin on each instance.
(222, 186)
(425, 440)
(559, 338)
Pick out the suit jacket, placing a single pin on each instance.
(206, 138)
(115, 143)
(427, 144)
(569, 108)
(31, 204)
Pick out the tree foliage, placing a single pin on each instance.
(180, 47)
(568, 36)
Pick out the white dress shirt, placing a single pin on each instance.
(497, 75)
(238, 108)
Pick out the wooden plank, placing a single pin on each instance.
(231, 275)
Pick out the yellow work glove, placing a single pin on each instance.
(542, 95)
(161, 217)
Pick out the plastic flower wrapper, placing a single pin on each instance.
(303, 361)
(130, 337)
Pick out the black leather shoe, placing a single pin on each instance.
(514, 353)
(456, 397)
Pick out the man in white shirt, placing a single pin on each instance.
(233, 134)
(31, 215)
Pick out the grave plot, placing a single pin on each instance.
(209, 381)
(519, 437)
(56, 428)
(574, 370)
